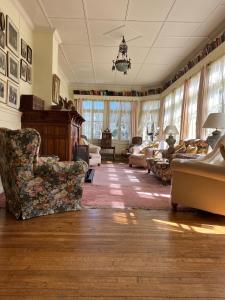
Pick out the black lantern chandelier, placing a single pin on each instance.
(122, 63)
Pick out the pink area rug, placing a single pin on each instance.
(118, 186)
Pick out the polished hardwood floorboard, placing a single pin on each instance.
(98, 254)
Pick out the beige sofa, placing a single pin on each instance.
(200, 183)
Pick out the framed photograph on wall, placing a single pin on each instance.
(12, 36)
(3, 90)
(13, 94)
(3, 62)
(55, 88)
(29, 55)
(23, 49)
(2, 39)
(13, 67)
(23, 70)
(29, 74)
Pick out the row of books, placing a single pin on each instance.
(108, 93)
(202, 54)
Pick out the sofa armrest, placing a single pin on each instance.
(47, 159)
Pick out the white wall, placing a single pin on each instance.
(10, 117)
(64, 84)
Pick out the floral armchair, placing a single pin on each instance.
(37, 186)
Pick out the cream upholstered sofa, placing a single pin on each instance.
(94, 152)
(201, 183)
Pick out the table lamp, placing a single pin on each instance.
(171, 130)
(214, 120)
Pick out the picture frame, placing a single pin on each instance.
(3, 90)
(2, 21)
(55, 88)
(3, 62)
(23, 70)
(29, 55)
(12, 36)
(23, 49)
(12, 94)
(13, 67)
(29, 74)
(2, 39)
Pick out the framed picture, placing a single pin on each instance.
(13, 67)
(23, 70)
(2, 21)
(29, 55)
(13, 94)
(55, 88)
(12, 36)
(23, 49)
(2, 39)
(3, 90)
(3, 62)
(29, 74)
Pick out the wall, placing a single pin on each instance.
(10, 117)
(64, 85)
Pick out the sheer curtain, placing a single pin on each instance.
(120, 120)
(193, 89)
(173, 108)
(93, 113)
(149, 116)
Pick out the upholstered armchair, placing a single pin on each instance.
(37, 186)
(201, 183)
(93, 150)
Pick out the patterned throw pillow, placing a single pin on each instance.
(192, 149)
(181, 148)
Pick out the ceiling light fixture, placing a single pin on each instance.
(122, 63)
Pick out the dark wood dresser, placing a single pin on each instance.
(59, 130)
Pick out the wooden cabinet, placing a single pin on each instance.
(59, 131)
(106, 141)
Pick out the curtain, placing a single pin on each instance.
(78, 105)
(120, 119)
(184, 113)
(93, 113)
(193, 89)
(149, 117)
(202, 94)
(134, 118)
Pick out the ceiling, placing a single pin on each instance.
(161, 33)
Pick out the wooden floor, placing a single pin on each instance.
(113, 254)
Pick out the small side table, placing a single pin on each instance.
(113, 148)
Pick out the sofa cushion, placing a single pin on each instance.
(222, 151)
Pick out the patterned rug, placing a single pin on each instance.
(118, 186)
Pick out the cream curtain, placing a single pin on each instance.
(184, 113)
(134, 118)
(202, 94)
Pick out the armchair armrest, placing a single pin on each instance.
(68, 168)
(48, 159)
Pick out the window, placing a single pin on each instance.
(120, 120)
(216, 87)
(193, 88)
(149, 116)
(93, 113)
(173, 108)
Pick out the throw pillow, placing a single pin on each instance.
(192, 149)
(83, 141)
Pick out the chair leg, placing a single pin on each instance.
(174, 206)
(130, 165)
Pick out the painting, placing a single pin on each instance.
(3, 90)
(13, 94)
(3, 62)
(29, 74)
(23, 49)
(55, 89)
(13, 67)
(23, 70)
(29, 55)
(12, 36)
(2, 39)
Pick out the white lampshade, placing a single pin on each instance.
(215, 120)
(171, 129)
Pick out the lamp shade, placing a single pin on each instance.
(171, 129)
(215, 120)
